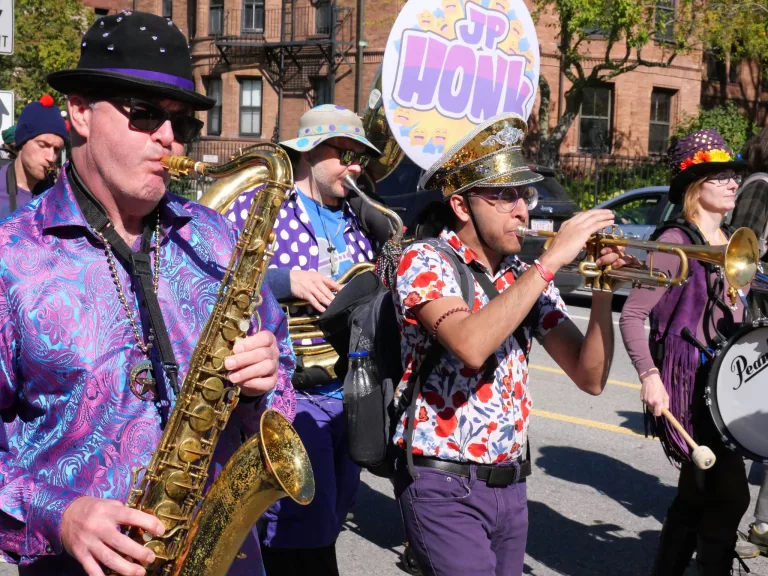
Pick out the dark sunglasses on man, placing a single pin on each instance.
(506, 199)
(147, 117)
(348, 157)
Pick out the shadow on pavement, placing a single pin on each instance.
(639, 492)
(376, 518)
(634, 420)
(571, 548)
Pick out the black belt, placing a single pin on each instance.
(493, 476)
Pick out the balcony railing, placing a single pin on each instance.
(258, 25)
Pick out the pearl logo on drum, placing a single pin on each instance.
(746, 371)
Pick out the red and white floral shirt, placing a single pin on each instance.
(460, 415)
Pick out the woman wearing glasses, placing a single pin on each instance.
(709, 505)
(319, 238)
(460, 479)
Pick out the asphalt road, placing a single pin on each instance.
(597, 496)
(598, 493)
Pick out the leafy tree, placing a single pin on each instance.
(47, 38)
(731, 122)
(602, 39)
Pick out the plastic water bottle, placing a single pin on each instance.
(364, 410)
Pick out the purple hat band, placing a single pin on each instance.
(155, 77)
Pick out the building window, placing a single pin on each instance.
(167, 8)
(323, 17)
(216, 18)
(661, 113)
(100, 12)
(595, 121)
(213, 90)
(321, 91)
(665, 20)
(253, 15)
(715, 65)
(734, 69)
(250, 107)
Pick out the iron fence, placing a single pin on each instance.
(591, 179)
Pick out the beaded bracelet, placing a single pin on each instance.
(649, 371)
(444, 316)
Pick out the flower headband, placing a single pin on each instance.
(702, 156)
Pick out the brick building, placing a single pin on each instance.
(268, 61)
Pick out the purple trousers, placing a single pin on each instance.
(457, 525)
(322, 428)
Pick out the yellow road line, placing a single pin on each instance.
(585, 422)
(558, 371)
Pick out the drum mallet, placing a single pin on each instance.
(702, 456)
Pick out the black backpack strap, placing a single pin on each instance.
(10, 184)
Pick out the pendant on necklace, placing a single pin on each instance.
(142, 381)
(334, 261)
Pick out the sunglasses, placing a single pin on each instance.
(506, 199)
(723, 178)
(147, 117)
(347, 157)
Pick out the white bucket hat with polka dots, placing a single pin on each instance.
(328, 121)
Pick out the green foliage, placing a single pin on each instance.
(47, 38)
(183, 187)
(728, 120)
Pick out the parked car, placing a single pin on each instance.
(639, 212)
(399, 192)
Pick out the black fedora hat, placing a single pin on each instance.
(695, 156)
(133, 53)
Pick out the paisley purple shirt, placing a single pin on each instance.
(71, 426)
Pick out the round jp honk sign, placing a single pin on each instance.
(451, 64)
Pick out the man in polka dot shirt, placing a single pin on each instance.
(319, 238)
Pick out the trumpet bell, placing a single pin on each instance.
(741, 258)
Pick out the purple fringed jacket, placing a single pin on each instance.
(71, 426)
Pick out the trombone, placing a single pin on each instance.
(738, 260)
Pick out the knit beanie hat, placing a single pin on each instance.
(9, 135)
(37, 118)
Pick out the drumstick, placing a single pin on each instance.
(702, 456)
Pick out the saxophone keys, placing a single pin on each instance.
(178, 485)
(190, 450)
(217, 358)
(202, 418)
(169, 513)
(212, 389)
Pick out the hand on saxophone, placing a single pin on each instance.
(90, 533)
(572, 237)
(254, 363)
(314, 287)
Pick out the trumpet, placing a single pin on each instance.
(738, 260)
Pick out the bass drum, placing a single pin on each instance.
(737, 392)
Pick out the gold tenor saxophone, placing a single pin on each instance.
(204, 534)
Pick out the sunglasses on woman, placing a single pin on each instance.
(147, 117)
(506, 199)
(348, 157)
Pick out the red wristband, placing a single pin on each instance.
(545, 273)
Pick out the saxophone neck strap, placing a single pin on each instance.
(135, 263)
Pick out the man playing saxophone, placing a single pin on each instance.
(320, 237)
(106, 281)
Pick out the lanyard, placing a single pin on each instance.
(138, 263)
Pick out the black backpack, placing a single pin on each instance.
(362, 318)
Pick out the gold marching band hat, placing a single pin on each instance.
(490, 156)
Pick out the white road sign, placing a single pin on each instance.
(6, 109)
(6, 27)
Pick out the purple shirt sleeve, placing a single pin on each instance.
(642, 300)
(30, 510)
